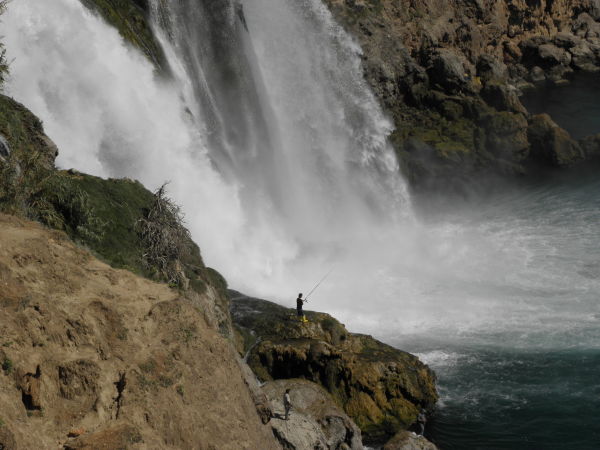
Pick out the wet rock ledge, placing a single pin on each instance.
(381, 388)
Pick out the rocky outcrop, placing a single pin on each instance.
(448, 72)
(591, 146)
(95, 357)
(381, 388)
(315, 421)
(407, 440)
(552, 145)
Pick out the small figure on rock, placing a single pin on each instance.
(299, 303)
(287, 403)
(421, 421)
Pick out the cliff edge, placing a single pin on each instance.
(381, 388)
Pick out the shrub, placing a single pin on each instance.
(7, 366)
(164, 239)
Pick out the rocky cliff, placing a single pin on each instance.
(450, 72)
(96, 357)
(381, 388)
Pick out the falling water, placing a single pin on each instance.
(279, 162)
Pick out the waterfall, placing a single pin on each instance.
(288, 114)
(277, 151)
(275, 148)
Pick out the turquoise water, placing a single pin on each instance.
(501, 398)
(530, 380)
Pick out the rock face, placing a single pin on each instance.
(380, 388)
(111, 359)
(551, 144)
(315, 421)
(406, 440)
(449, 73)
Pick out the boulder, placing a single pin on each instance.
(448, 70)
(591, 146)
(585, 26)
(502, 96)
(407, 440)
(559, 74)
(583, 57)
(315, 420)
(537, 74)
(566, 40)
(551, 55)
(491, 68)
(551, 144)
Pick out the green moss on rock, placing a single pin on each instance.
(97, 213)
(131, 19)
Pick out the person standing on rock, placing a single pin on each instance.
(287, 403)
(299, 303)
(421, 421)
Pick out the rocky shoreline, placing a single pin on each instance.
(382, 389)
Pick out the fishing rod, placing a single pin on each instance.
(317, 285)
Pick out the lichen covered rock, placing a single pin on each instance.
(381, 388)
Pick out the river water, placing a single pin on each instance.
(530, 382)
(277, 151)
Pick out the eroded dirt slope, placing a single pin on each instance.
(121, 361)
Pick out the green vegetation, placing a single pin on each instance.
(164, 239)
(165, 381)
(188, 332)
(119, 220)
(148, 366)
(7, 366)
(131, 19)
